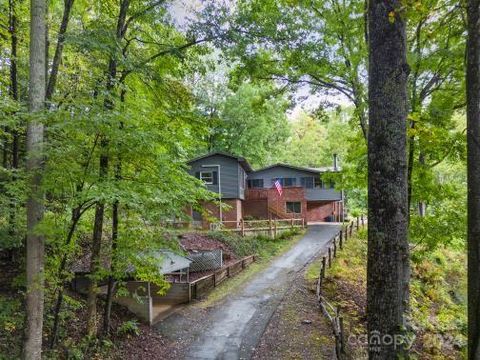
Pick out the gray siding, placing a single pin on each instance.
(285, 172)
(229, 175)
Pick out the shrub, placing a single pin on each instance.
(129, 327)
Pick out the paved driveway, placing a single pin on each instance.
(233, 328)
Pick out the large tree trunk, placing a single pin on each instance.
(35, 242)
(473, 171)
(388, 255)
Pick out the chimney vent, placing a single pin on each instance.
(335, 162)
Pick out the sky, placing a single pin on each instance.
(183, 11)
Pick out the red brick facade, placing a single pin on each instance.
(232, 216)
(265, 203)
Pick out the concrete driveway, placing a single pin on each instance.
(232, 329)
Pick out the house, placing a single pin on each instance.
(226, 175)
(305, 192)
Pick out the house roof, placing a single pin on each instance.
(243, 162)
(168, 262)
(318, 170)
(171, 262)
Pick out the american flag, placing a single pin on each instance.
(278, 186)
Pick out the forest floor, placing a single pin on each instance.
(437, 299)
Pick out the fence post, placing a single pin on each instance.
(270, 231)
(335, 247)
(358, 222)
(324, 264)
(329, 257)
(292, 223)
(341, 239)
(345, 230)
(275, 228)
(363, 221)
(351, 228)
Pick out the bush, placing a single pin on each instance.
(129, 327)
(260, 245)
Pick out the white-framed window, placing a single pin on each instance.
(207, 177)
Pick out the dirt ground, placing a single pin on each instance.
(297, 329)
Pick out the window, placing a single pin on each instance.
(294, 207)
(289, 182)
(207, 177)
(255, 183)
(285, 182)
(318, 183)
(242, 177)
(307, 182)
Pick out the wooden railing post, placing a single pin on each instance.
(324, 264)
(242, 226)
(275, 228)
(358, 222)
(329, 257)
(351, 228)
(340, 234)
(270, 230)
(335, 247)
(363, 221)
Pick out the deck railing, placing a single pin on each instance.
(270, 227)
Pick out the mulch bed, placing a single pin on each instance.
(200, 242)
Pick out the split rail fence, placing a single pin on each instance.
(270, 227)
(331, 312)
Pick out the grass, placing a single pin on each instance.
(265, 249)
(437, 296)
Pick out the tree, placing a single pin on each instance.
(35, 241)
(388, 252)
(473, 175)
(253, 124)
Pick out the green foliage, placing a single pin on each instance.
(11, 325)
(260, 245)
(129, 327)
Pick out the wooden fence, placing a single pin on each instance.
(333, 313)
(270, 227)
(203, 285)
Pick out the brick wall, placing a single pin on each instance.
(234, 213)
(320, 210)
(275, 202)
(257, 208)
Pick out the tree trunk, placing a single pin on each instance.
(96, 248)
(111, 278)
(35, 242)
(12, 20)
(76, 215)
(100, 208)
(473, 177)
(388, 258)
(57, 57)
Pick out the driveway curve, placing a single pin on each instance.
(232, 328)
